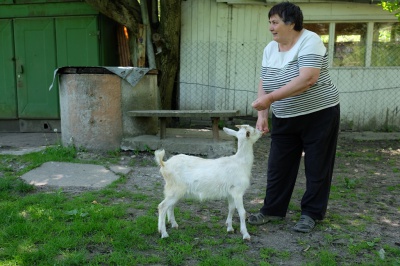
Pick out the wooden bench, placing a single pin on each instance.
(162, 115)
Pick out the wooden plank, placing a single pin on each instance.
(8, 92)
(186, 56)
(163, 114)
(183, 113)
(123, 46)
(220, 81)
(141, 44)
(46, 10)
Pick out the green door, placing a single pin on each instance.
(8, 96)
(77, 41)
(35, 54)
(30, 50)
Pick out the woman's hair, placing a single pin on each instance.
(289, 13)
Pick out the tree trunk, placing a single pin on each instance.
(166, 39)
(168, 59)
(125, 12)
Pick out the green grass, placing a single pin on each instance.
(268, 253)
(117, 226)
(90, 228)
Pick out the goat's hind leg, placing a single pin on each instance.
(162, 212)
(231, 210)
(163, 208)
(171, 216)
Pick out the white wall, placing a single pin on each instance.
(221, 49)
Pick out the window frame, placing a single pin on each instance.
(369, 42)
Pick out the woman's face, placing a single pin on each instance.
(280, 31)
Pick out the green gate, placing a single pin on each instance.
(42, 44)
(35, 61)
(8, 93)
(32, 48)
(77, 41)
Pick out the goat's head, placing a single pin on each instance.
(245, 132)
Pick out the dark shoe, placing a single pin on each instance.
(259, 218)
(305, 225)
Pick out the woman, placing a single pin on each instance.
(296, 84)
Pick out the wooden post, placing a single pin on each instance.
(141, 44)
(123, 47)
(215, 129)
(149, 47)
(163, 127)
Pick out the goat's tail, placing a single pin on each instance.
(159, 155)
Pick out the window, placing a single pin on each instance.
(360, 44)
(350, 44)
(386, 44)
(322, 29)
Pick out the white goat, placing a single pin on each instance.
(202, 179)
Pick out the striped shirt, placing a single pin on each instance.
(279, 68)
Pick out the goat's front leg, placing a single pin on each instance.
(242, 215)
(231, 208)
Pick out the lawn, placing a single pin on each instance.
(117, 225)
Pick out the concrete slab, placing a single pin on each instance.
(61, 174)
(187, 141)
(27, 140)
(119, 169)
(185, 145)
(370, 135)
(23, 143)
(21, 151)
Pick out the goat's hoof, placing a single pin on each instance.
(164, 235)
(230, 230)
(246, 237)
(175, 225)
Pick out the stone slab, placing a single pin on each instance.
(61, 174)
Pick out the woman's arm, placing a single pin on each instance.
(262, 120)
(308, 76)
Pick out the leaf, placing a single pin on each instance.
(382, 254)
(73, 212)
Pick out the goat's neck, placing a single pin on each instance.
(245, 151)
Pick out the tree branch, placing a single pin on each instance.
(125, 12)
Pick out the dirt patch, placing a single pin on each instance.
(363, 209)
(363, 212)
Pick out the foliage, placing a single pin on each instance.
(162, 30)
(391, 6)
(117, 225)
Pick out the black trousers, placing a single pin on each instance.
(316, 134)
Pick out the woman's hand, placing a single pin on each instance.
(263, 102)
(262, 123)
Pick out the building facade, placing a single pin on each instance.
(222, 44)
(36, 38)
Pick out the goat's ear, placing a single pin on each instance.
(242, 126)
(230, 131)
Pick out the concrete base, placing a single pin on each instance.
(187, 141)
(94, 109)
(70, 175)
(30, 125)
